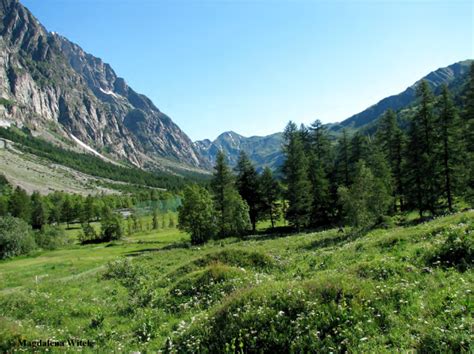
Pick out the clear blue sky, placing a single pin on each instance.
(250, 66)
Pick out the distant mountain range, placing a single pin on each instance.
(68, 96)
(266, 150)
(71, 98)
(262, 150)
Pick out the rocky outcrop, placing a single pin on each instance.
(48, 83)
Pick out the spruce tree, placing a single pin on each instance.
(295, 170)
(247, 185)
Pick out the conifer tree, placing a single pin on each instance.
(19, 204)
(468, 133)
(320, 144)
(270, 192)
(88, 210)
(342, 160)
(421, 166)
(39, 211)
(449, 148)
(295, 170)
(320, 193)
(247, 185)
(231, 209)
(155, 222)
(391, 139)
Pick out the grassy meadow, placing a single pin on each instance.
(406, 287)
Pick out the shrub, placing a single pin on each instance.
(88, 234)
(111, 228)
(51, 237)
(15, 237)
(458, 249)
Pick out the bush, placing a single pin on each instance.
(111, 228)
(15, 237)
(88, 234)
(51, 237)
(458, 249)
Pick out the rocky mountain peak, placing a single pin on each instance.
(55, 85)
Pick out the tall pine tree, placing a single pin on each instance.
(232, 211)
(247, 185)
(270, 192)
(295, 170)
(449, 147)
(391, 139)
(422, 174)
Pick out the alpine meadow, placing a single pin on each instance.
(119, 233)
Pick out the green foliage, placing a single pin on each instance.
(247, 183)
(422, 169)
(366, 201)
(270, 193)
(295, 170)
(457, 250)
(232, 211)
(6, 103)
(39, 211)
(19, 204)
(197, 215)
(16, 237)
(88, 235)
(111, 227)
(51, 237)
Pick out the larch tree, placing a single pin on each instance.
(449, 148)
(295, 170)
(247, 184)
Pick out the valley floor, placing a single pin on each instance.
(324, 291)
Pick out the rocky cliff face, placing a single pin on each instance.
(51, 85)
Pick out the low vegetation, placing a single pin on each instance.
(401, 288)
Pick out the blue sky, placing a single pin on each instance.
(251, 66)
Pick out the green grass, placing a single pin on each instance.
(317, 292)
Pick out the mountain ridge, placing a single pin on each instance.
(52, 85)
(361, 121)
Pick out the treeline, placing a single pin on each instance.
(90, 164)
(28, 222)
(358, 180)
